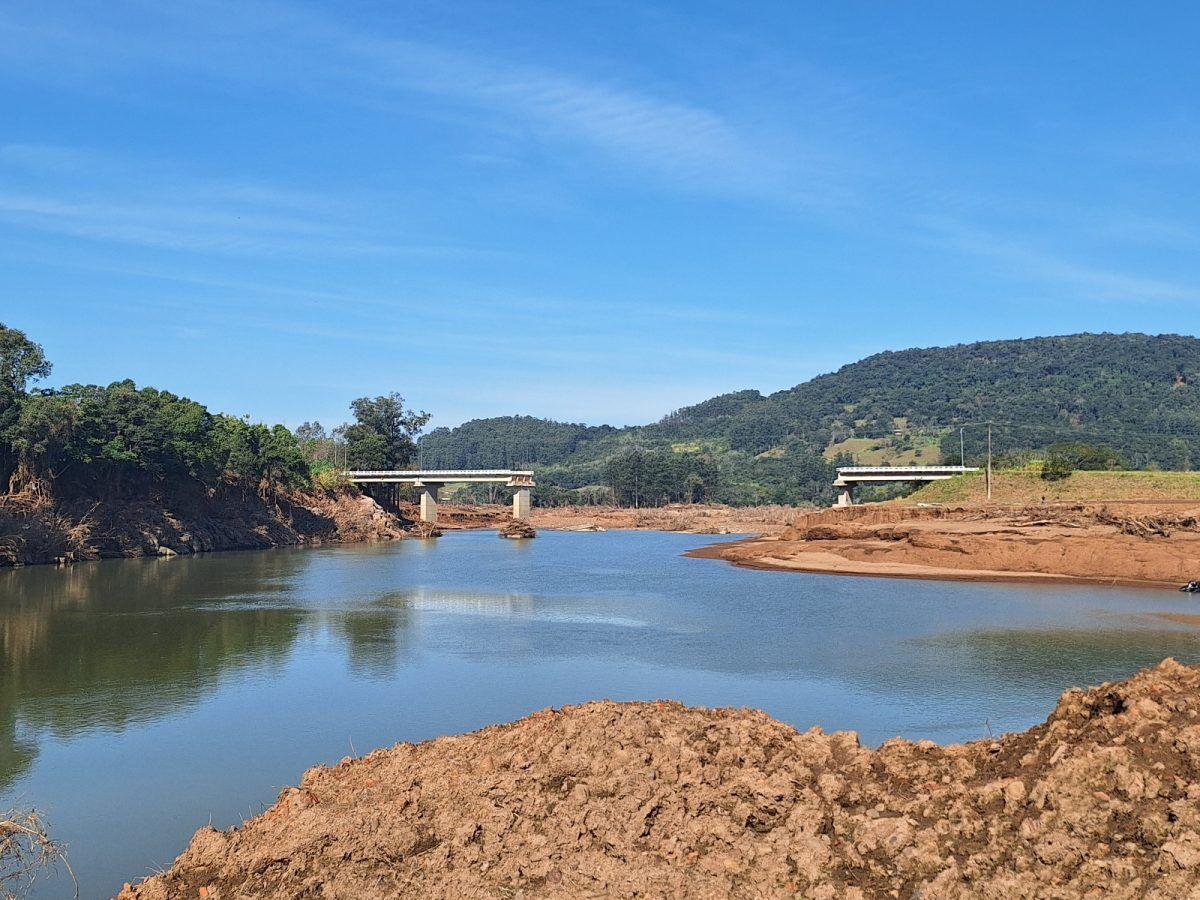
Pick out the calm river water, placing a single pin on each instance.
(141, 699)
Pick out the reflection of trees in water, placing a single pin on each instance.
(16, 756)
(105, 644)
(374, 641)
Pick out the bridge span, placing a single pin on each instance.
(429, 480)
(848, 476)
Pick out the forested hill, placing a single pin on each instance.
(1136, 394)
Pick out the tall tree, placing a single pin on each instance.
(21, 361)
(384, 433)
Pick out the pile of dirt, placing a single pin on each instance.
(1123, 543)
(150, 517)
(660, 800)
(518, 531)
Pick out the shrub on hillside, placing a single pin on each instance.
(1056, 467)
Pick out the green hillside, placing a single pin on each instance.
(1137, 394)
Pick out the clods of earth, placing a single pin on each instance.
(661, 800)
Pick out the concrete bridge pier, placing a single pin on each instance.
(848, 476)
(521, 504)
(428, 481)
(429, 498)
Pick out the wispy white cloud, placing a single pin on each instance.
(1023, 260)
(78, 192)
(207, 228)
(647, 130)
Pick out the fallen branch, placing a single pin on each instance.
(26, 850)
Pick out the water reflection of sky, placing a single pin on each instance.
(193, 687)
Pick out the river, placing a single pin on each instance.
(141, 699)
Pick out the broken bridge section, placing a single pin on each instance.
(848, 476)
(428, 481)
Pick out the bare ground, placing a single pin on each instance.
(694, 518)
(660, 800)
(1130, 542)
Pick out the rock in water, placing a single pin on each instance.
(518, 530)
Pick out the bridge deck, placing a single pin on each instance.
(853, 474)
(442, 476)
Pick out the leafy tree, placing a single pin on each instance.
(1056, 467)
(21, 362)
(311, 431)
(384, 433)
(652, 478)
(368, 449)
(41, 437)
(322, 449)
(1089, 457)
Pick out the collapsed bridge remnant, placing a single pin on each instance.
(848, 476)
(429, 480)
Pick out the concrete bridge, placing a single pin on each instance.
(429, 480)
(848, 476)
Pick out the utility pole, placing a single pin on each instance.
(989, 469)
(962, 448)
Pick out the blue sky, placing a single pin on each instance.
(591, 212)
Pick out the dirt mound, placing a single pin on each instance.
(660, 800)
(518, 531)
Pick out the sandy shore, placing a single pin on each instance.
(699, 518)
(1136, 543)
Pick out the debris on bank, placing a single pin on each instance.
(661, 800)
(517, 530)
(425, 530)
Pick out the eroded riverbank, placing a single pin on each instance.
(184, 517)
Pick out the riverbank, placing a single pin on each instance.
(183, 517)
(657, 799)
(691, 518)
(1149, 543)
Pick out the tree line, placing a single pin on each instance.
(103, 437)
(654, 478)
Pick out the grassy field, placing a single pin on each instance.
(1029, 487)
(883, 452)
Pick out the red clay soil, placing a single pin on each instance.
(181, 517)
(1121, 543)
(660, 800)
